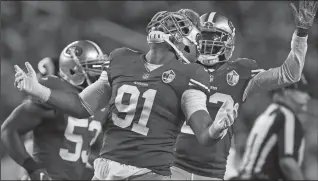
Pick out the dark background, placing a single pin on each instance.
(32, 30)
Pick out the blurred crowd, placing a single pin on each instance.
(32, 30)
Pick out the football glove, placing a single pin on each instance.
(28, 83)
(101, 168)
(223, 119)
(304, 17)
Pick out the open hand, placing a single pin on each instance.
(223, 119)
(27, 82)
(304, 17)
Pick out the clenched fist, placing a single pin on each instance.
(46, 66)
(28, 83)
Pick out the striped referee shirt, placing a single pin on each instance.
(277, 133)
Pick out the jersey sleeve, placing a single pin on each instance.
(192, 101)
(96, 95)
(195, 94)
(289, 72)
(199, 79)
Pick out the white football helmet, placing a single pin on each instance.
(218, 39)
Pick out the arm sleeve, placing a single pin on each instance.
(96, 96)
(193, 100)
(286, 135)
(289, 72)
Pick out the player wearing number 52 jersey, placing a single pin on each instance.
(61, 142)
(149, 95)
(232, 81)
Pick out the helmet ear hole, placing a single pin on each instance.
(187, 49)
(72, 72)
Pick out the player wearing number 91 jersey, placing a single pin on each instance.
(61, 143)
(231, 82)
(145, 109)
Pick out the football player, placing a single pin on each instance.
(50, 66)
(233, 81)
(149, 95)
(61, 142)
(275, 146)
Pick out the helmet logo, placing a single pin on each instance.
(168, 76)
(232, 78)
(208, 24)
(77, 50)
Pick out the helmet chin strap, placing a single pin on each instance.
(160, 37)
(81, 68)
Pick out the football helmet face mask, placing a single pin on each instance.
(81, 61)
(218, 39)
(178, 30)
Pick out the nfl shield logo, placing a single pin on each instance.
(168, 76)
(145, 76)
(232, 78)
(211, 78)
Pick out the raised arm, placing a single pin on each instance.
(290, 71)
(81, 105)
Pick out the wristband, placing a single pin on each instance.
(31, 165)
(44, 94)
(301, 32)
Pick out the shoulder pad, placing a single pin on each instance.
(194, 69)
(246, 63)
(119, 52)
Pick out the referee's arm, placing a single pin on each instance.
(286, 142)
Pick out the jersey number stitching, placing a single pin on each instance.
(214, 98)
(130, 109)
(76, 138)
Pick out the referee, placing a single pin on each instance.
(275, 146)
